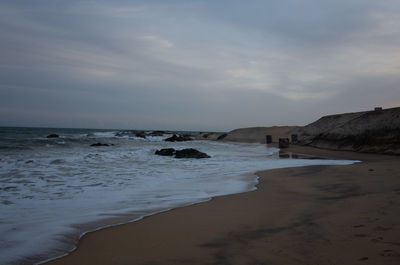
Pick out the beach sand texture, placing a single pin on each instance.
(306, 215)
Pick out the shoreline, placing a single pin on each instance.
(116, 224)
(197, 243)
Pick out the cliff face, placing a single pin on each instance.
(369, 131)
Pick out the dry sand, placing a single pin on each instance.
(306, 215)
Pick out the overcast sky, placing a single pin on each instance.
(195, 65)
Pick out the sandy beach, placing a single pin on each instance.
(306, 215)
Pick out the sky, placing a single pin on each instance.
(195, 65)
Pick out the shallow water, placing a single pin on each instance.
(53, 190)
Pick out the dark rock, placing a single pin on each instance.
(222, 136)
(140, 135)
(53, 135)
(156, 133)
(165, 152)
(190, 153)
(99, 144)
(180, 138)
(283, 142)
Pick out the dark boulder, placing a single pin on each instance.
(156, 133)
(140, 135)
(190, 153)
(53, 135)
(178, 138)
(165, 152)
(99, 144)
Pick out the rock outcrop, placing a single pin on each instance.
(178, 138)
(184, 153)
(213, 136)
(166, 152)
(190, 153)
(131, 133)
(376, 131)
(53, 135)
(99, 144)
(156, 133)
(140, 135)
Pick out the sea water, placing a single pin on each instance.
(53, 190)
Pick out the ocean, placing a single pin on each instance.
(53, 190)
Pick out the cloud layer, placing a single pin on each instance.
(200, 65)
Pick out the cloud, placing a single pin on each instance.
(189, 61)
(157, 42)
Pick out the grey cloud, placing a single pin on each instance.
(194, 64)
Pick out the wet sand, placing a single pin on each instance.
(306, 215)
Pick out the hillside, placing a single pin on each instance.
(368, 131)
(258, 134)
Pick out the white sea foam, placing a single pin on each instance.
(50, 196)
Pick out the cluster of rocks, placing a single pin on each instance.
(140, 134)
(144, 134)
(184, 153)
(179, 138)
(99, 144)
